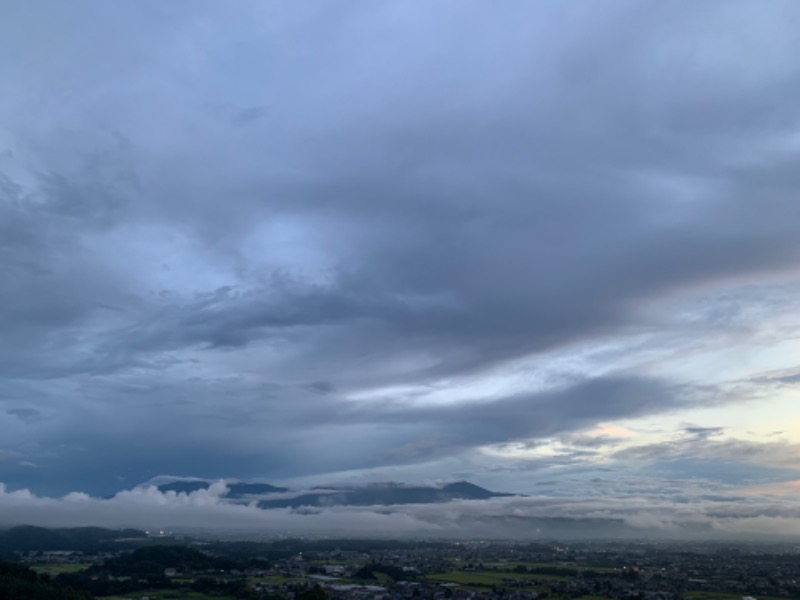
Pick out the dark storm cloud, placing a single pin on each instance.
(600, 441)
(25, 414)
(708, 456)
(247, 116)
(534, 415)
(310, 434)
(195, 225)
(320, 387)
(788, 379)
(703, 433)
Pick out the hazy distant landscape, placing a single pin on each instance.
(456, 510)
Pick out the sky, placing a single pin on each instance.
(548, 247)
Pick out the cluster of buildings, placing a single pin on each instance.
(505, 571)
(626, 571)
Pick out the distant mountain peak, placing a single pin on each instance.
(236, 489)
(384, 494)
(372, 494)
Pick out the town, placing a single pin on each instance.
(172, 567)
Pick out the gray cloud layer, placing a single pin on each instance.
(217, 224)
(694, 514)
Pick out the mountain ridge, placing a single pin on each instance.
(374, 494)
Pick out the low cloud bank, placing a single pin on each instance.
(627, 515)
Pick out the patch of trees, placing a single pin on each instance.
(297, 545)
(315, 593)
(144, 569)
(153, 560)
(81, 539)
(369, 571)
(258, 554)
(18, 582)
(238, 588)
(105, 585)
(141, 569)
(553, 570)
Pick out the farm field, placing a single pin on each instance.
(510, 566)
(54, 569)
(167, 594)
(704, 595)
(484, 578)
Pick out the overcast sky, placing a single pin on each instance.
(550, 247)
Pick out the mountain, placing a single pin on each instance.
(384, 494)
(244, 489)
(30, 538)
(21, 582)
(235, 490)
